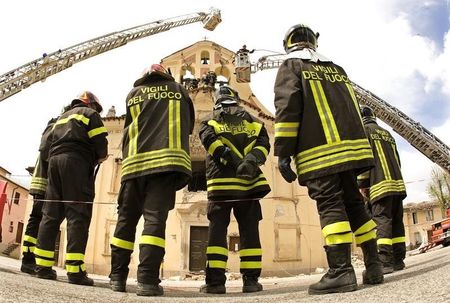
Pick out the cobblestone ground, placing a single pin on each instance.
(426, 279)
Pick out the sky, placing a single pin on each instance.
(398, 49)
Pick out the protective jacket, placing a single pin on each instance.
(77, 142)
(38, 188)
(318, 120)
(160, 116)
(80, 130)
(39, 180)
(246, 137)
(385, 178)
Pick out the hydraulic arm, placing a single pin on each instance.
(40, 69)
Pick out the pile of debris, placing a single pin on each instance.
(357, 261)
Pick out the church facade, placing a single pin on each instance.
(290, 230)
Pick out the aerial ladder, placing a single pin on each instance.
(417, 135)
(40, 69)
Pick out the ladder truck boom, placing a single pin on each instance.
(40, 69)
(413, 132)
(417, 135)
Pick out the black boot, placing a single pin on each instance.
(28, 263)
(118, 285)
(214, 281)
(340, 276)
(213, 289)
(80, 278)
(45, 273)
(251, 284)
(118, 281)
(28, 268)
(149, 290)
(399, 265)
(374, 269)
(399, 252)
(386, 258)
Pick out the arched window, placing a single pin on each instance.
(223, 74)
(187, 72)
(187, 77)
(204, 57)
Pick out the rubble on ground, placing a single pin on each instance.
(357, 261)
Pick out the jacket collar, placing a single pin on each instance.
(308, 54)
(153, 77)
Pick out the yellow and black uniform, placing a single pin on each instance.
(318, 124)
(156, 163)
(386, 194)
(38, 188)
(76, 143)
(232, 129)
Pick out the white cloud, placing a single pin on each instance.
(442, 66)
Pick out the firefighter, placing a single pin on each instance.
(386, 191)
(37, 190)
(77, 144)
(237, 144)
(318, 124)
(156, 163)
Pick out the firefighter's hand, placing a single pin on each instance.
(225, 156)
(228, 158)
(284, 164)
(248, 168)
(365, 192)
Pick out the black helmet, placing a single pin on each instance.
(367, 114)
(226, 95)
(299, 37)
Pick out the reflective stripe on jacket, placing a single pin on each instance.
(245, 136)
(385, 178)
(79, 130)
(39, 179)
(318, 121)
(160, 116)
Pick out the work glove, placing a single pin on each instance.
(248, 168)
(284, 164)
(228, 158)
(365, 192)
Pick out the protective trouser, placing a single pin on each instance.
(70, 178)
(31, 231)
(341, 209)
(150, 196)
(248, 214)
(388, 214)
